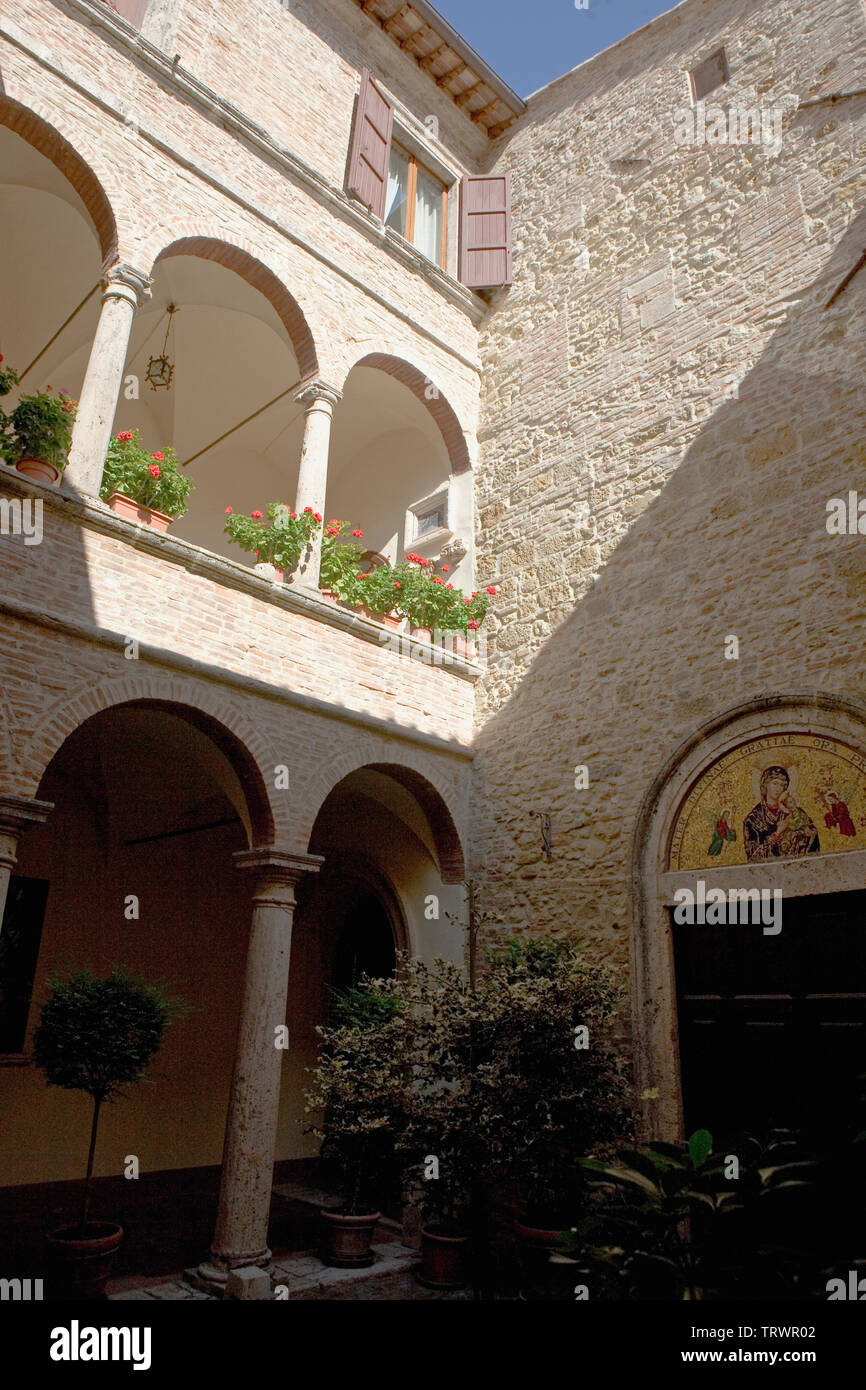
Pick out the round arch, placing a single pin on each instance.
(431, 798)
(49, 142)
(244, 748)
(260, 278)
(438, 407)
(654, 1004)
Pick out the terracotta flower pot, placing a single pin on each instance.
(329, 595)
(443, 1260)
(388, 620)
(541, 1279)
(82, 1262)
(39, 470)
(422, 634)
(347, 1239)
(135, 511)
(269, 571)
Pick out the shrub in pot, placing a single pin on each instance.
(96, 1035)
(353, 1090)
(277, 537)
(144, 487)
(37, 434)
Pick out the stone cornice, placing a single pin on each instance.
(19, 812)
(233, 120)
(125, 282)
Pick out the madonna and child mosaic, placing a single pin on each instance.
(774, 798)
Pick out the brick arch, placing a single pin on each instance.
(439, 407)
(66, 159)
(432, 799)
(212, 713)
(256, 274)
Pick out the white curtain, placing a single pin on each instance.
(428, 216)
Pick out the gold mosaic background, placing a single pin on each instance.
(828, 784)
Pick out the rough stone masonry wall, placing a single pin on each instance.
(667, 407)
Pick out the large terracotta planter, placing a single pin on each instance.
(422, 634)
(347, 1239)
(82, 1263)
(443, 1260)
(134, 511)
(387, 621)
(329, 595)
(38, 470)
(540, 1279)
(269, 571)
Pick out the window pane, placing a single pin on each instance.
(430, 521)
(428, 216)
(398, 185)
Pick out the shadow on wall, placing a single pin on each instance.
(735, 543)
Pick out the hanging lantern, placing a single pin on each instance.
(160, 370)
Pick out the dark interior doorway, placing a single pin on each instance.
(364, 941)
(773, 1028)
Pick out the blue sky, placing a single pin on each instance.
(529, 42)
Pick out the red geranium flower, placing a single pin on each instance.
(467, 600)
(449, 586)
(333, 522)
(308, 510)
(472, 623)
(154, 470)
(446, 569)
(256, 516)
(358, 533)
(332, 531)
(317, 516)
(491, 589)
(160, 458)
(434, 579)
(124, 436)
(396, 585)
(293, 516)
(474, 593)
(229, 511)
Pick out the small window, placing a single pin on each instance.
(710, 74)
(431, 519)
(415, 204)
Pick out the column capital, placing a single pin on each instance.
(17, 813)
(276, 868)
(318, 392)
(123, 281)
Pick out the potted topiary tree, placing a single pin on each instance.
(354, 1092)
(95, 1035)
(38, 433)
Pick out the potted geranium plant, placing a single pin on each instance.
(37, 434)
(277, 537)
(147, 488)
(95, 1035)
(354, 1093)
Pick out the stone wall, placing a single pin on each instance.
(667, 406)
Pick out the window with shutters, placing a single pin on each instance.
(416, 204)
(708, 75)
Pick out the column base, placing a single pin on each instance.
(212, 1275)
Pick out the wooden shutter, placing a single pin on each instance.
(371, 147)
(133, 10)
(485, 230)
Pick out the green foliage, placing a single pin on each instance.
(8, 379)
(671, 1222)
(39, 427)
(97, 1034)
(486, 1081)
(152, 479)
(278, 536)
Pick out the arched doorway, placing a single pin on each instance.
(134, 868)
(748, 951)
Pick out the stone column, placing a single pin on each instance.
(319, 400)
(16, 814)
(125, 289)
(241, 1236)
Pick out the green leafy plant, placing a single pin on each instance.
(8, 378)
(39, 427)
(682, 1221)
(152, 479)
(277, 536)
(98, 1034)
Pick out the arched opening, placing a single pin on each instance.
(134, 868)
(239, 348)
(388, 886)
(57, 230)
(398, 465)
(750, 990)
